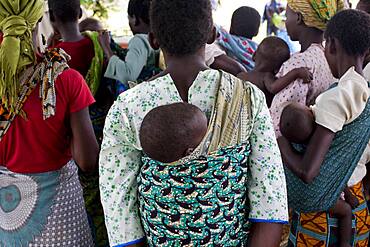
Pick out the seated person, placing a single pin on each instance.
(176, 177)
(297, 124)
(140, 54)
(238, 44)
(269, 57)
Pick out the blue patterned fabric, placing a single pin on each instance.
(340, 163)
(239, 48)
(30, 198)
(199, 203)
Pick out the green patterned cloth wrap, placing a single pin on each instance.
(200, 202)
(335, 172)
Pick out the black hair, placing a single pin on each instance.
(139, 9)
(65, 10)
(245, 22)
(352, 29)
(274, 50)
(181, 27)
(89, 24)
(168, 131)
(297, 123)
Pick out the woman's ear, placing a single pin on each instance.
(153, 41)
(212, 36)
(300, 18)
(331, 46)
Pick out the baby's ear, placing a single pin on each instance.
(153, 41)
(212, 36)
(188, 152)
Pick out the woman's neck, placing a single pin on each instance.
(310, 36)
(347, 62)
(70, 32)
(184, 70)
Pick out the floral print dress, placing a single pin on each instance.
(120, 158)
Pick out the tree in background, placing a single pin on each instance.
(99, 7)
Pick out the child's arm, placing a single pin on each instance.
(351, 199)
(274, 85)
(227, 64)
(307, 166)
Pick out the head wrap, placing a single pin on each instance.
(18, 18)
(316, 13)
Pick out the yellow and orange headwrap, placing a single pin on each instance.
(316, 13)
(18, 18)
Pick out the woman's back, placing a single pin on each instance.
(35, 145)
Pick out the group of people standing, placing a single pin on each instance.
(217, 146)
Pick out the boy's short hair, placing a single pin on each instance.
(274, 50)
(352, 29)
(167, 131)
(181, 27)
(245, 22)
(139, 9)
(65, 10)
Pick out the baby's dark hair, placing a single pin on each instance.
(352, 29)
(275, 51)
(65, 10)
(167, 132)
(90, 24)
(297, 123)
(139, 9)
(245, 22)
(181, 27)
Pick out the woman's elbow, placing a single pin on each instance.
(89, 162)
(309, 176)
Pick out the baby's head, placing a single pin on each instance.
(364, 5)
(272, 53)
(245, 22)
(297, 123)
(169, 133)
(91, 24)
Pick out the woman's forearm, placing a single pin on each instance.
(265, 235)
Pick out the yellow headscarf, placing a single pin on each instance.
(316, 13)
(18, 18)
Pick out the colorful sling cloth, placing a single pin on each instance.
(239, 48)
(202, 199)
(45, 209)
(321, 229)
(340, 163)
(46, 72)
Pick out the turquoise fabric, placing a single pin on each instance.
(338, 167)
(202, 202)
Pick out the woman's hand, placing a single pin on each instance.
(104, 40)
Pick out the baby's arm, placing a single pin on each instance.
(274, 85)
(307, 166)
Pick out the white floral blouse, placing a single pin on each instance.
(120, 158)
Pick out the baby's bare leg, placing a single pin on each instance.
(343, 212)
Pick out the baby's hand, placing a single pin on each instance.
(304, 74)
